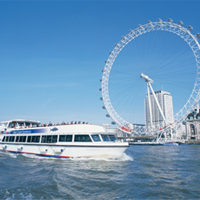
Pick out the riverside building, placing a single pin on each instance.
(192, 126)
(165, 100)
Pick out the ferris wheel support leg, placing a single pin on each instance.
(149, 100)
(172, 135)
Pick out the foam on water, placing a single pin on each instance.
(113, 158)
(12, 155)
(19, 195)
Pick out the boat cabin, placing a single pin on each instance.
(20, 123)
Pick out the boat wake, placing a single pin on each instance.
(12, 155)
(123, 157)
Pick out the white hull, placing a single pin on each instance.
(72, 151)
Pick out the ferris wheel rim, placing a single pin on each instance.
(169, 26)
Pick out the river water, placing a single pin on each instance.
(143, 172)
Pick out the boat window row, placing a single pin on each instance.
(59, 138)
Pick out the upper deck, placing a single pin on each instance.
(19, 123)
(28, 126)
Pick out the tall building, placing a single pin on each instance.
(165, 100)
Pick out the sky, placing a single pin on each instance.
(52, 53)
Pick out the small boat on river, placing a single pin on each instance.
(61, 141)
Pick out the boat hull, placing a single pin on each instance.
(66, 151)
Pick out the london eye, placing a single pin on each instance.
(163, 54)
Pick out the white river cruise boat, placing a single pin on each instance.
(61, 141)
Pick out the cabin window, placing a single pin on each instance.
(20, 124)
(54, 138)
(35, 139)
(112, 137)
(4, 138)
(9, 125)
(65, 138)
(96, 138)
(49, 139)
(22, 139)
(12, 125)
(82, 138)
(17, 139)
(28, 124)
(62, 138)
(35, 124)
(44, 139)
(7, 138)
(12, 138)
(105, 138)
(29, 139)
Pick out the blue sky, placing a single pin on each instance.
(52, 53)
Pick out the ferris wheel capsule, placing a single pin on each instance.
(159, 20)
(149, 22)
(190, 28)
(113, 123)
(180, 23)
(170, 20)
(107, 115)
(198, 35)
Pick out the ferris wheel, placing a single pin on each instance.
(153, 53)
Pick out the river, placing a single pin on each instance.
(143, 172)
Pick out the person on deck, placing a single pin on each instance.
(50, 124)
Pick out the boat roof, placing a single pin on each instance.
(79, 128)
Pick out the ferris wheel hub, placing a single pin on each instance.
(147, 79)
